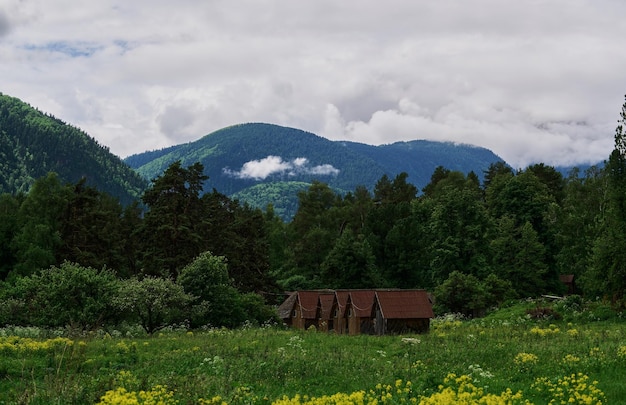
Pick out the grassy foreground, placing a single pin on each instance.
(502, 359)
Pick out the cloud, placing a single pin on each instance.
(275, 165)
(5, 26)
(533, 82)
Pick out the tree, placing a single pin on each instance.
(154, 302)
(350, 264)
(38, 239)
(91, 229)
(314, 230)
(240, 234)
(607, 273)
(461, 293)
(407, 248)
(9, 209)
(582, 210)
(170, 228)
(459, 225)
(216, 302)
(519, 257)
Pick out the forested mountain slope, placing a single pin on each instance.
(248, 155)
(33, 144)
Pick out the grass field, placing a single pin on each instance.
(503, 358)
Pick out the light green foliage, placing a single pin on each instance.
(66, 296)
(153, 302)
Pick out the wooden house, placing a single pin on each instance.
(401, 311)
(338, 312)
(325, 305)
(358, 312)
(299, 310)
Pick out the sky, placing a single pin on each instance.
(535, 81)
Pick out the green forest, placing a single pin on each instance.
(32, 144)
(73, 255)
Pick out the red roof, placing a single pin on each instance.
(362, 302)
(308, 303)
(404, 304)
(326, 301)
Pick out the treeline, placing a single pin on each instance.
(475, 244)
(65, 247)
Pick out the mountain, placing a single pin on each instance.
(260, 163)
(33, 144)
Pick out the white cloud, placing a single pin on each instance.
(275, 165)
(533, 81)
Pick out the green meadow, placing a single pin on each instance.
(507, 357)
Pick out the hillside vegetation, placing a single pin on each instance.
(240, 158)
(33, 144)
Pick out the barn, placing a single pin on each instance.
(299, 310)
(353, 312)
(358, 312)
(325, 305)
(401, 311)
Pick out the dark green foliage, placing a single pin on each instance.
(33, 144)
(37, 238)
(476, 246)
(350, 264)
(9, 207)
(607, 272)
(461, 293)
(170, 231)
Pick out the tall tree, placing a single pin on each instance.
(583, 208)
(91, 230)
(350, 264)
(170, 228)
(37, 242)
(315, 228)
(607, 274)
(459, 225)
(9, 209)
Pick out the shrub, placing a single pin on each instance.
(153, 302)
(69, 295)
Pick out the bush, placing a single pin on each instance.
(462, 293)
(153, 302)
(216, 302)
(67, 296)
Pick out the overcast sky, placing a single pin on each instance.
(534, 81)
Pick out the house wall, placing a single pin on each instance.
(398, 326)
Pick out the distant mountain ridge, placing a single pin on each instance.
(257, 163)
(241, 158)
(33, 143)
